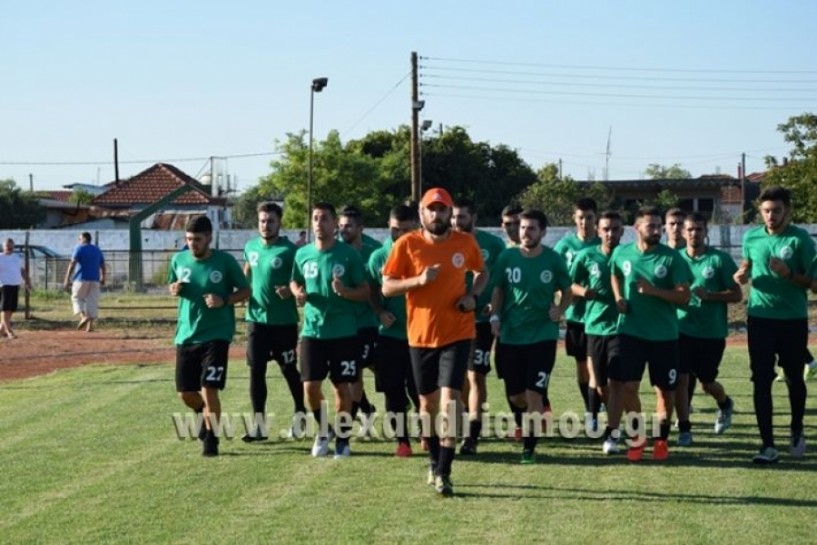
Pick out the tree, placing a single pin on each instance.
(660, 172)
(557, 196)
(798, 172)
(665, 200)
(80, 196)
(18, 210)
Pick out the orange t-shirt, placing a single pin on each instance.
(433, 317)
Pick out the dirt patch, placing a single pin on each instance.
(35, 353)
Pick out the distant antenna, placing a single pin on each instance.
(607, 155)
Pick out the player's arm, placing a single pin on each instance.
(779, 266)
(393, 287)
(677, 295)
(248, 271)
(577, 276)
(733, 294)
(743, 273)
(356, 293)
(497, 300)
(469, 300)
(69, 273)
(618, 297)
(103, 272)
(238, 296)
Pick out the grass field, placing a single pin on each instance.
(90, 455)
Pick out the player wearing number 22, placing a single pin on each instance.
(526, 319)
(208, 283)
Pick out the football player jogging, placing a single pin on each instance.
(526, 320)
(207, 283)
(777, 260)
(392, 358)
(329, 280)
(649, 282)
(475, 392)
(590, 274)
(510, 223)
(429, 266)
(584, 216)
(703, 325)
(272, 318)
(351, 232)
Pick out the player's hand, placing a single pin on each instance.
(702, 294)
(66, 286)
(467, 303)
(386, 318)
(622, 306)
(283, 292)
(337, 286)
(555, 314)
(176, 288)
(590, 293)
(213, 301)
(430, 274)
(495, 327)
(486, 310)
(300, 297)
(644, 287)
(779, 267)
(741, 276)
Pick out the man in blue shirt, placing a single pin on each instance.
(87, 271)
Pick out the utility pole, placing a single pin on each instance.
(30, 183)
(743, 188)
(416, 106)
(116, 159)
(560, 168)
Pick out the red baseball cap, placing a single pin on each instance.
(437, 194)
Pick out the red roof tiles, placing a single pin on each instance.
(154, 183)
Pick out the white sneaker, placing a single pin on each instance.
(798, 446)
(724, 419)
(320, 447)
(610, 446)
(296, 429)
(342, 451)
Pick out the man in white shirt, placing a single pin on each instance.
(12, 275)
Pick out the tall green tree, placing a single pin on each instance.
(661, 172)
(18, 209)
(799, 172)
(557, 196)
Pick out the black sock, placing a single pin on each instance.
(474, 429)
(446, 459)
(529, 442)
(584, 389)
(296, 387)
(797, 402)
(434, 452)
(725, 404)
(594, 401)
(608, 433)
(517, 415)
(684, 426)
(396, 404)
(663, 429)
(762, 397)
(355, 409)
(365, 406)
(258, 387)
(691, 390)
(320, 417)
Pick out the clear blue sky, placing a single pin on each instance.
(182, 79)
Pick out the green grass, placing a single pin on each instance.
(89, 455)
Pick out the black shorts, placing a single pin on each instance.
(271, 342)
(700, 357)
(10, 294)
(201, 365)
(442, 367)
(604, 352)
(528, 366)
(576, 341)
(480, 358)
(335, 358)
(782, 340)
(660, 356)
(367, 337)
(392, 364)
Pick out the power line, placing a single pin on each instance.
(378, 103)
(137, 161)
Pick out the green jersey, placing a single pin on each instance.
(270, 266)
(219, 274)
(591, 269)
(395, 305)
(772, 296)
(712, 271)
(648, 317)
(529, 285)
(568, 247)
(366, 317)
(490, 246)
(327, 315)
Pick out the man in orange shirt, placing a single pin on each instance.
(429, 267)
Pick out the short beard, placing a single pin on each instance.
(438, 229)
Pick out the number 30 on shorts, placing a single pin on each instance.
(482, 357)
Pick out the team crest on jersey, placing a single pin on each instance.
(708, 272)
(546, 277)
(216, 277)
(627, 267)
(786, 252)
(458, 260)
(276, 262)
(660, 271)
(338, 270)
(595, 272)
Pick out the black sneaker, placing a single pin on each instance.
(468, 447)
(202, 431)
(210, 445)
(254, 436)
